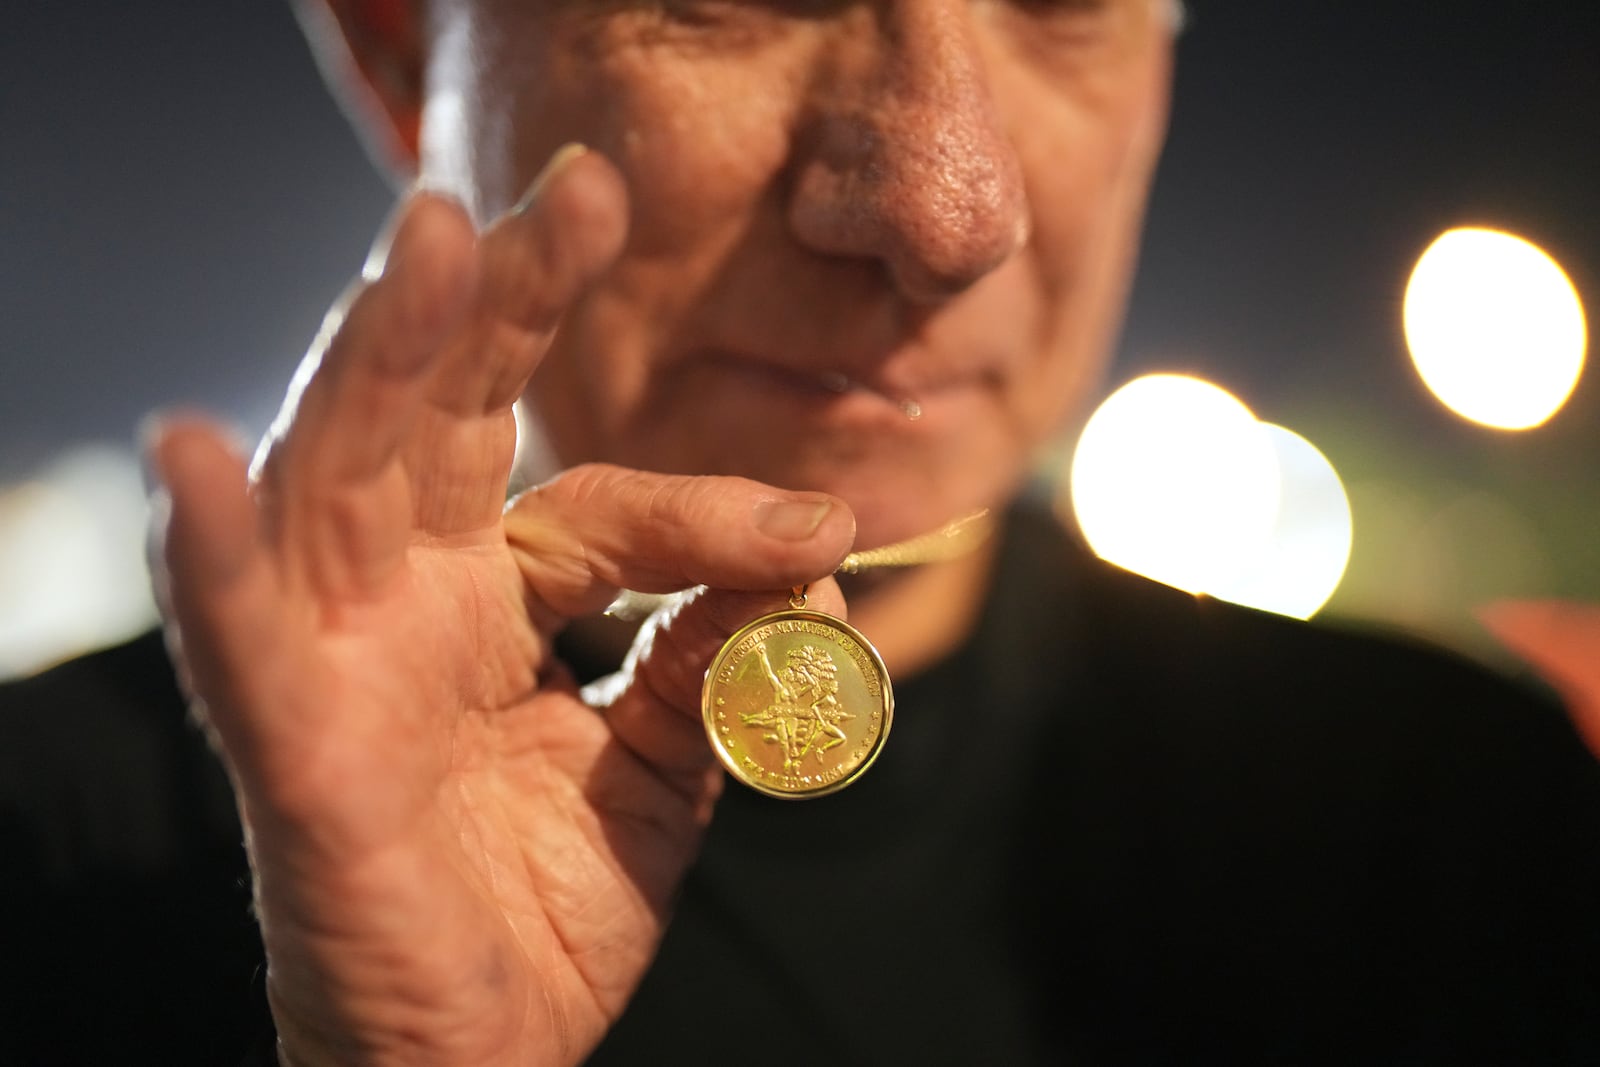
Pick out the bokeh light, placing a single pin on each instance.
(72, 562)
(1305, 556)
(1175, 479)
(1495, 327)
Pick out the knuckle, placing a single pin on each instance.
(680, 649)
(584, 488)
(680, 501)
(669, 674)
(633, 496)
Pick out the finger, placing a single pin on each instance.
(534, 262)
(366, 372)
(596, 529)
(337, 499)
(218, 589)
(1562, 641)
(536, 259)
(653, 706)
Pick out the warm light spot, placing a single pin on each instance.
(1175, 479)
(1495, 328)
(1305, 557)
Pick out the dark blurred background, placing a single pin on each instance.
(180, 198)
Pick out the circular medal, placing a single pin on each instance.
(797, 704)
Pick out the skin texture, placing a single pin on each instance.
(936, 201)
(458, 859)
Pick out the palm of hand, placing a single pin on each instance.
(443, 869)
(487, 816)
(456, 859)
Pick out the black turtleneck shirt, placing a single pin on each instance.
(1120, 825)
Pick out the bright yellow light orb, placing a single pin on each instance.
(1174, 478)
(1495, 328)
(1304, 559)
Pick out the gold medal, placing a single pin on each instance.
(797, 704)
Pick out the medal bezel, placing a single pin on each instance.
(709, 707)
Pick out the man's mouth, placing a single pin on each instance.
(904, 382)
(836, 382)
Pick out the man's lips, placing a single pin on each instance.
(904, 379)
(831, 389)
(909, 406)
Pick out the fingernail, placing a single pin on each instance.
(383, 242)
(152, 428)
(558, 162)
(789, 520)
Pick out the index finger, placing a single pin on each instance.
(533, 262)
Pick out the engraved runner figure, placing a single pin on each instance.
(805, 713)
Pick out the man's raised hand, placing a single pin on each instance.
(457, 860)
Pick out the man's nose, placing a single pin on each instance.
(903, 157)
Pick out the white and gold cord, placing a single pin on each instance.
(950, 541)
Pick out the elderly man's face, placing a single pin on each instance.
(878, 248)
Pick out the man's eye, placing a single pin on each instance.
(692, 10)
(715, 10)
(1086, 7)
(1069, 12)
(1074, 17)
